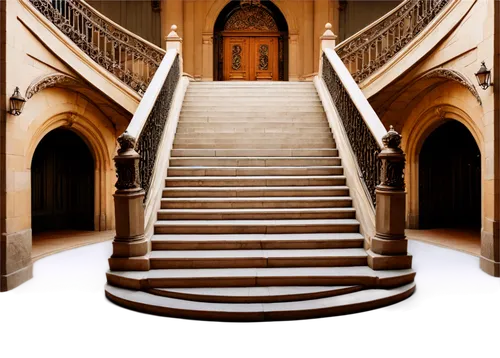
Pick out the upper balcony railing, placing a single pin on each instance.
(127, 56)
(368, 50)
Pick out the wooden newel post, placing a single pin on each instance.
(130, 247)
(389, 246)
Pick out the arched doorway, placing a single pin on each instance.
(62, 183)
(251, 42)
(450, 179)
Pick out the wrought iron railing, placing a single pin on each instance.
(364, 146)
(152, 132)
(127, 56)
(368, 50)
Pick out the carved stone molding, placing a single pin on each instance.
(55, 79)
(455, 76)
(253, 18)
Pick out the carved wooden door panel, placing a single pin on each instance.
(236, 58)
(265, 54)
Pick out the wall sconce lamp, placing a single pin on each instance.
(16, 103)
(483, 76)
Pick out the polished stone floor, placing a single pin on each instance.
(465, 240)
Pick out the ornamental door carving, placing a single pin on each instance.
(251, 46)
(251, 58)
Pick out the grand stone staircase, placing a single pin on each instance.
(256, 221)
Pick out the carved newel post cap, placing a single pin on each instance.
(392, 139)
(127, 145)
(173, 34)
(328, 34)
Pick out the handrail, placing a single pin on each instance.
(127, 56)
(369, 49)
(363, 127)
(145, 131)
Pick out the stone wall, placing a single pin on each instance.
(138, 16)
(57, 97)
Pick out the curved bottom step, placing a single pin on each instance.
(254, 312)
(254, 294)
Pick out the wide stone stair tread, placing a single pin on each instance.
(256, 214)
(276, 153)
(254, 171)
(258, 222)
(321, 307)
(254, 294)
(257, 241)
(256, 191)
(228, 254)
(252, 161)
(245, 181)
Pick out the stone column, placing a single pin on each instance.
(389, 246)
(130, 247)
(321, 16)
(327, 41)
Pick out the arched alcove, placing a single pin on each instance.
(250, 43)
(450, 179)
(62, 183)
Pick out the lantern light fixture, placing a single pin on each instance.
(483, 76)
(17, 103)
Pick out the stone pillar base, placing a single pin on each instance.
(389, 247)
(385, 262)
(14, 279)
(130, 249)
(490, 267)
(129, 263)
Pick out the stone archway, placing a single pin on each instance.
(450, 179)
(208, 40)
(414, 134)
(250, 42)
(62, 183)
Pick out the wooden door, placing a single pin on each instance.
(236, 58)
(265, 52)
(251, 58)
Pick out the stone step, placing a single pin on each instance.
(254, 294)
(255, 226)
(253, 109)
(264, 120)
(253, 312)
(269, 145)
(246, 181)
(256, 202)
(253, 122)
(314, 152)
(282, 100)
(253, 130)
(257, 214)
(261, 277)
(256, 258)
(256, 191)
(249, 95)
(249, 137)
(254, 161)
(257, 241)
(254, 171)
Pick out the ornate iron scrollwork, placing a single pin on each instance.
(363, 144)
(133, 60)
(152, 133)
(263, 57)
(374, 47)
(236, 58)
(255, 18)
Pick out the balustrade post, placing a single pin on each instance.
(389, 246)
(327, 41)
(174, 42)
(130, 247)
